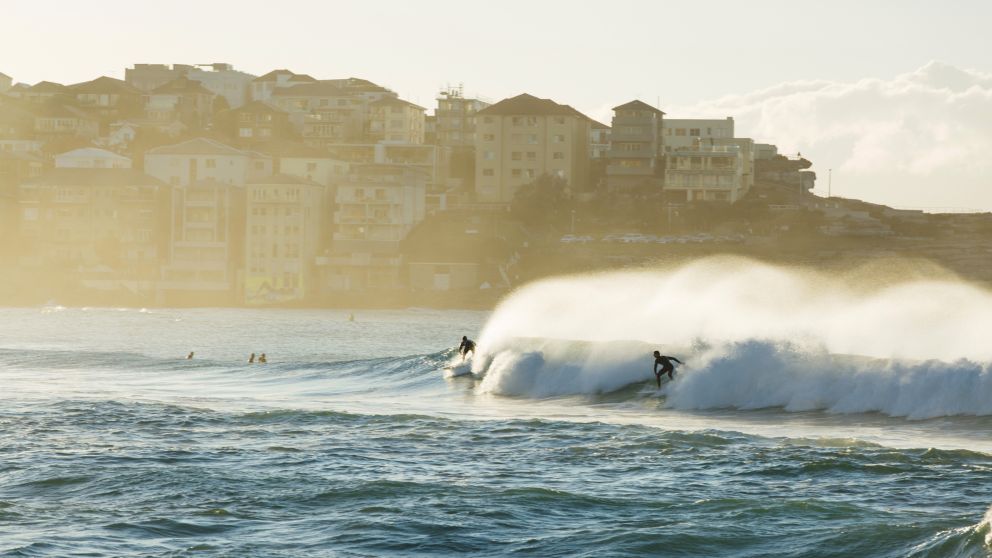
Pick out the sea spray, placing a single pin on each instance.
(753, 335)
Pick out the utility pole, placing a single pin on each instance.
(830, 182)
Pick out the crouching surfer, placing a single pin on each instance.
(467, 346)
(666, 366)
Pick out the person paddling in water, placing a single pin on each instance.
(666, 366)
(467, 346)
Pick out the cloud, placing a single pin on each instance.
(921, 139)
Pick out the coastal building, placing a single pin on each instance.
(763, 151)
(636, 156)
(207, 216)
(223, 80)
(748, 156)
(103, 223)
(41, 92)
(313, 165)
(705, 173)
(284, 229)
(205, 159)
(376, 208)
(257, 124)
(54, 121)
(394, 120)
(599, 140)
(432, 161)
(455, 118)
(108, 98)
(205, 250)
(218, 78)
(523, 137)
(262, 87)
(6, 82)
(91, 158)
(182, 100)
(682, 133)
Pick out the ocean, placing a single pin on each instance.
(787, 432)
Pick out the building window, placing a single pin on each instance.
(488, 137)
(531, 155)
(489, 155)
(558, 155)
(532, 121)
(487, 172)
(517, 120)
(558, 138)
(515, 156)
(211, 163)
(559, 120)
(532, 139)
(245, 132)
(694, 132)
(679, 131)
(515, 173)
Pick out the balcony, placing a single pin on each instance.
(646, 135)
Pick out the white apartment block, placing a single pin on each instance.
(706, 173)
(284, 222)
(524, 137)
(205, 159)
(682, 133)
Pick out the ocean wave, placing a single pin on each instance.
(746, 376)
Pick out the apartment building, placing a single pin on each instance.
(705, 173)
(376, 208)
(284, 227)
(523, 137)
(394, 120)
(455, 118)
(218, 78)
(682, 133)
(207, 217)
(182, 100)
(54, 121)
(256, 124)
(205, 159)
(108, 99)
(636, 156)
(599, 140)
(264, 86)
(91, 158)
(313, 165)
(429, 160)
(80, 218)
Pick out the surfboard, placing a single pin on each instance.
(461, 369)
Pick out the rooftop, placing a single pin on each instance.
(182, 84)
(104, 84)
(197, 146)
(638, 105)
(525, 104)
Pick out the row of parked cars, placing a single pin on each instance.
(637, 238)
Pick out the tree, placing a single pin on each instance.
(541, 202)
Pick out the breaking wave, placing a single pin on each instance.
(753, 336)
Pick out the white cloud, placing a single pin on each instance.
(922, 139)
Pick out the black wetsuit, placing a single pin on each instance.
(666, 367)
(467, 346)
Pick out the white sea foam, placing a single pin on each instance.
(755, 336)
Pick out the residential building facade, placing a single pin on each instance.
(636, 156)
(523, 137)
(283, 237)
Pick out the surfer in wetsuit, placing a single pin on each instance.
(467, 346)
(666, 366)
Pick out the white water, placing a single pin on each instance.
(753, 335)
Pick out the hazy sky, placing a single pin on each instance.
(687, 55)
